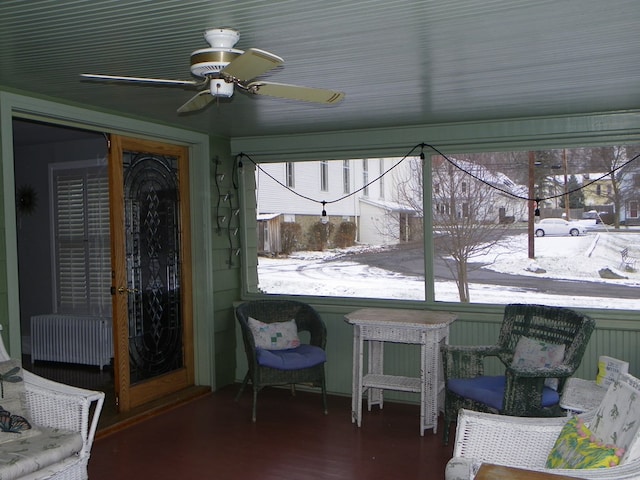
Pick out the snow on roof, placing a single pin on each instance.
(267, 216)
(389, 205)
(496, 179)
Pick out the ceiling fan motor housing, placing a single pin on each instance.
(209, 61)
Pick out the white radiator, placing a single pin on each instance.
(72, 339)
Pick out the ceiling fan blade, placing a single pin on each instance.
(250, 64)
(294, 92)
(198, 101)
(154, 81)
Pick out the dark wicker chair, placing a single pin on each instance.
(520, 390)
(307, 320)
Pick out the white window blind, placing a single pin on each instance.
(81, 240)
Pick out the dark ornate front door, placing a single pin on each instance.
(151, 270)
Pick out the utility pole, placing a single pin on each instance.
(532, 162)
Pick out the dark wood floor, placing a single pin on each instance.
(213, 437)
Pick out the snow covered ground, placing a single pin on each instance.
(571, 258)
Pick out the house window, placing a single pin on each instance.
(290, 175)
(365, 177)
(324, 176)
(465, 210)
(346, 176)
(633, 209)
(381, 181)
(598, 190)
(82, 260)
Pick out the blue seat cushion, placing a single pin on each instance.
(490, 390)
(304, 356)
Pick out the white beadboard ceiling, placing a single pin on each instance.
(400, 62)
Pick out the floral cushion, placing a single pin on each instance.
(531, 353)
(26, 455)
(618, 417)
(15, 422)
(576, 447)
(274, 336)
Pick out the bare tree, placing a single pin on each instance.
(612, 159)
(466, 214)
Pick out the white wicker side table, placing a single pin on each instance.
(379, 325)
(580, 395)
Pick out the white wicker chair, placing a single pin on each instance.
(526, 442)
(55, 405)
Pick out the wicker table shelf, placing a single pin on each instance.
(377, 326)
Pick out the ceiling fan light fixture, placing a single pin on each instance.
(220, 88)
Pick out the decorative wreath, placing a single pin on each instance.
(27, 200)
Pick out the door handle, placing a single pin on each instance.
(122, 290)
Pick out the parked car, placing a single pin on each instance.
(558, 226)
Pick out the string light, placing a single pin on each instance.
(323, 217)
(421, 155)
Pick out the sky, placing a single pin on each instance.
(577, 258)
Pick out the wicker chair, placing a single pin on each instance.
(525, 443)
(521, 391)
(61, 408)
(261, 373)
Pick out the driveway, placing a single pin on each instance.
(408, 260)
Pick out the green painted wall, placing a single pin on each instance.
(224, 224)
(618, 339)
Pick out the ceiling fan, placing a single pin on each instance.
(221, 67)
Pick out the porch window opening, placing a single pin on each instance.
(479, 209)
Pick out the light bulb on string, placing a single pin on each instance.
(324, 218)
